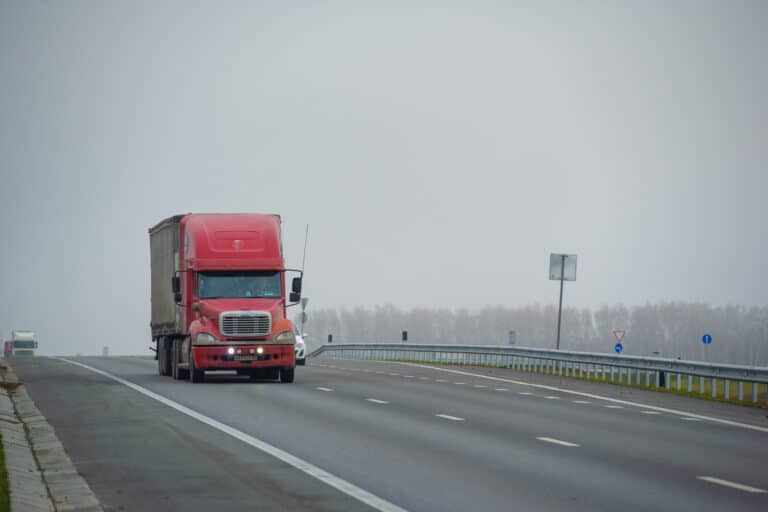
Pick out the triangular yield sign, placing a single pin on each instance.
(619, 333)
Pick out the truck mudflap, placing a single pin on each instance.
(238, 357)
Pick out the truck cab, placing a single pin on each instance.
(23, 343)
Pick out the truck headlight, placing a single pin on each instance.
(286, 337)
(205, 337)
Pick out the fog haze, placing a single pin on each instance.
(439, 154)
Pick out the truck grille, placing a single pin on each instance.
(245, 323)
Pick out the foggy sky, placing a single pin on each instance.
(439, 154)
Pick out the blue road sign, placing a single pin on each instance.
(706, 339)
(618, 348)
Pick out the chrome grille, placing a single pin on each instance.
(245, 323)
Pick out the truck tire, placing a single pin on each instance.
(195, 375)
(175, 359)
(181, 373)
(286, 375)
(163, 357)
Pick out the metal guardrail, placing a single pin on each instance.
(586, 365)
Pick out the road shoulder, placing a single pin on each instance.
(41, 475)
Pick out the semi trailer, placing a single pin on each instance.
(219, 296)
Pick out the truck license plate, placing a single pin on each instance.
(245, 358)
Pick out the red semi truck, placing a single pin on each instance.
(219, 296)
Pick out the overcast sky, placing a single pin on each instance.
(439, 154)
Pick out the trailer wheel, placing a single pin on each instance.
(163, 357)
(286, 375)
(195, 375)
(175, 359)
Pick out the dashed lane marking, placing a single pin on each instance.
(377, 401)
(732, 485)
(558, 441)
(449, 417)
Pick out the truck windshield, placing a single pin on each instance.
(219, 285)
(23, 344)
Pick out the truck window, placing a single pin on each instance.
(23, 344)
(241, 285)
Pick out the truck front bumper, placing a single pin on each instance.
(238, 357)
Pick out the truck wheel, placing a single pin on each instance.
(286, 375)
(195, 375)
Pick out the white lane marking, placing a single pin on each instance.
(324, 389)
(334, 481)
(552, 397)
(689, 419)
(479, 386)
(501, 389)
(459, 383)
(650, 412)
(366, 371)
(423, 378)
(377, 401)
(613, 407)
(408, 376)
(582, 402)
(448, 417)
(558, 441)
(524, 393)
(597, 397)
(733, 485)
(440, 380)
(379, 373)
(331, 366)
(394, 374)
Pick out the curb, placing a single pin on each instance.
(41, 475)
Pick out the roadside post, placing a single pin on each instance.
(562, 267)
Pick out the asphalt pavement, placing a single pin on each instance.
(417, 438)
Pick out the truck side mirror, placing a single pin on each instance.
(296, 287)
(294, 297)
(176, 285)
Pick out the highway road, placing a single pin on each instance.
(395, 437)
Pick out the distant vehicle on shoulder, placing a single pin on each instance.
(22, 343)
(219, 297)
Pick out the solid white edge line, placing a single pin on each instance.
(330, 479)
(558, 441)
(734, 485)
(449, 417)
(599, 397)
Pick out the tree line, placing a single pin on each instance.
(670, 329)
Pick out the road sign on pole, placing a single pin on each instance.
(706, 339)
(562, 267)
(618, 348)
(619, 334)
